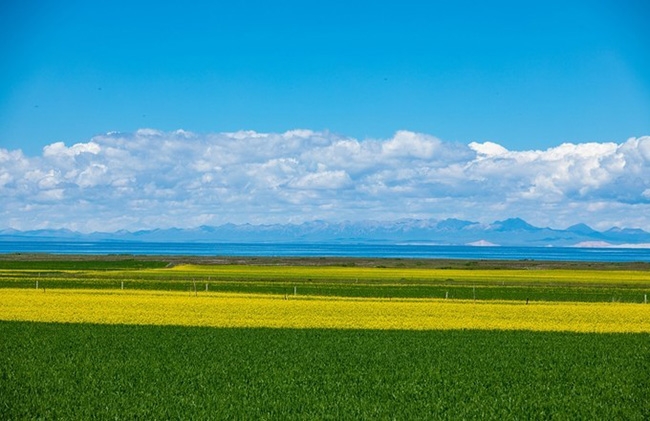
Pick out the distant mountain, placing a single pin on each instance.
(627, 235)
(581, 229)
(41, 235)
(453, 224)
(509, 232)
(513, 224)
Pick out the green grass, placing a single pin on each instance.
(340, 289)
(81, 371)
(79, 264)
(505, 283)
(67, 371)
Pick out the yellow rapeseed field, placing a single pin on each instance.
(400, 275)
(246, 310)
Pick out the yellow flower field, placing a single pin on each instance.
(246, 310)
(400, 275)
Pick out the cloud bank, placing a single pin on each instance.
(152, 179)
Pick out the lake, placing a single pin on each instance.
(329, 250)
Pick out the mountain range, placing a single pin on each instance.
(509, 232)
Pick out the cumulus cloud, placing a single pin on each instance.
(150, 179)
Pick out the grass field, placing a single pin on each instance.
(71, 371)
(390, 279)
(125, 338)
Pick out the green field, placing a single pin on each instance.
(58, 371)
(398, 278)
(85, 371)
(65, 264)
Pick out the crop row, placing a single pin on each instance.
(401, 276)
(451, 290)
(475, 284)
(406, 275)
(241, 310)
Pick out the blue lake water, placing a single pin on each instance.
(329, 250)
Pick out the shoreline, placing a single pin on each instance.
(378, 262)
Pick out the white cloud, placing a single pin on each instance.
(409, 144)
(93, 175)
(151, 178)
(488, 149)
(323, 180)
(59, 149)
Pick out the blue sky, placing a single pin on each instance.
(477, 110)
(522, 74)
